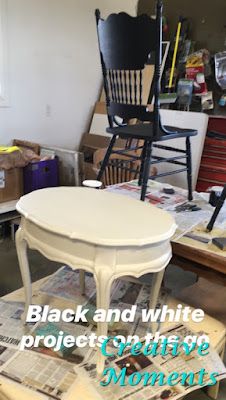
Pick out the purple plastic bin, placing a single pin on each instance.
(41, 174)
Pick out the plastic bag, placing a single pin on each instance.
(220, 69)
(15, 157)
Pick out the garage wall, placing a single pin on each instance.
(53, 68)
(208, 19)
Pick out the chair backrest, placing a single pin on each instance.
(120, 168)
(125, 45)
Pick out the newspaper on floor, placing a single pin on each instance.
(157, 364)
(45, 375)
(11, 328)
(75, 355)
(124, 294)
(6, 354)
(16, 365)
(128, 293)
(40, 369)
(64, 283)
(44, 370)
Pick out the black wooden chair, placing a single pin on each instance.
(126, 44)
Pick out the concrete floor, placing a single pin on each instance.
(10, 273)
(175, 279)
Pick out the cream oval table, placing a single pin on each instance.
(106, 234)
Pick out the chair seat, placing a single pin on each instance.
(145, 131)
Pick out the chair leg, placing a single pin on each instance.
(145, 174)
(143, 155)
(189, 168)
(106, 157)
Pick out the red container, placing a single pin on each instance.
(217, 124)
(212, 170)
(213, 173)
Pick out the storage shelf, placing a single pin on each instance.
(8, 206)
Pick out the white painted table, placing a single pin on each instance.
(106, 234)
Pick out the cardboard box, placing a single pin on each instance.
(95, 142)
(11, 184)
(89, 172)
(35, 147)
(97, 138)
(89, 145)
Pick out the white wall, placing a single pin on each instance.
(54, 69)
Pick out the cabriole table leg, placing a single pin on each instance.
(21, 246)
(155, 288)
(82, 281)
(103, 290)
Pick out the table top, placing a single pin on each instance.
(96, 216)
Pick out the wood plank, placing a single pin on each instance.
(100, 108)
(200, 270)
(202, 257)
(8, 206)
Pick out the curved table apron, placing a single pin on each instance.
(115, 238)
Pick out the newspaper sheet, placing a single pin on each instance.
(142, 363)
(194, 363)
(78, 354)
(11, 309)
(128, 293)
(47, 372)
(122, 298)
(124, 295)
(40, 373)
(6, 353)
(16, 365)
(123, 292)
(53, 374)
(65, 284)
(11, 328)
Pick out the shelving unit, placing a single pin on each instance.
(8, 211)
